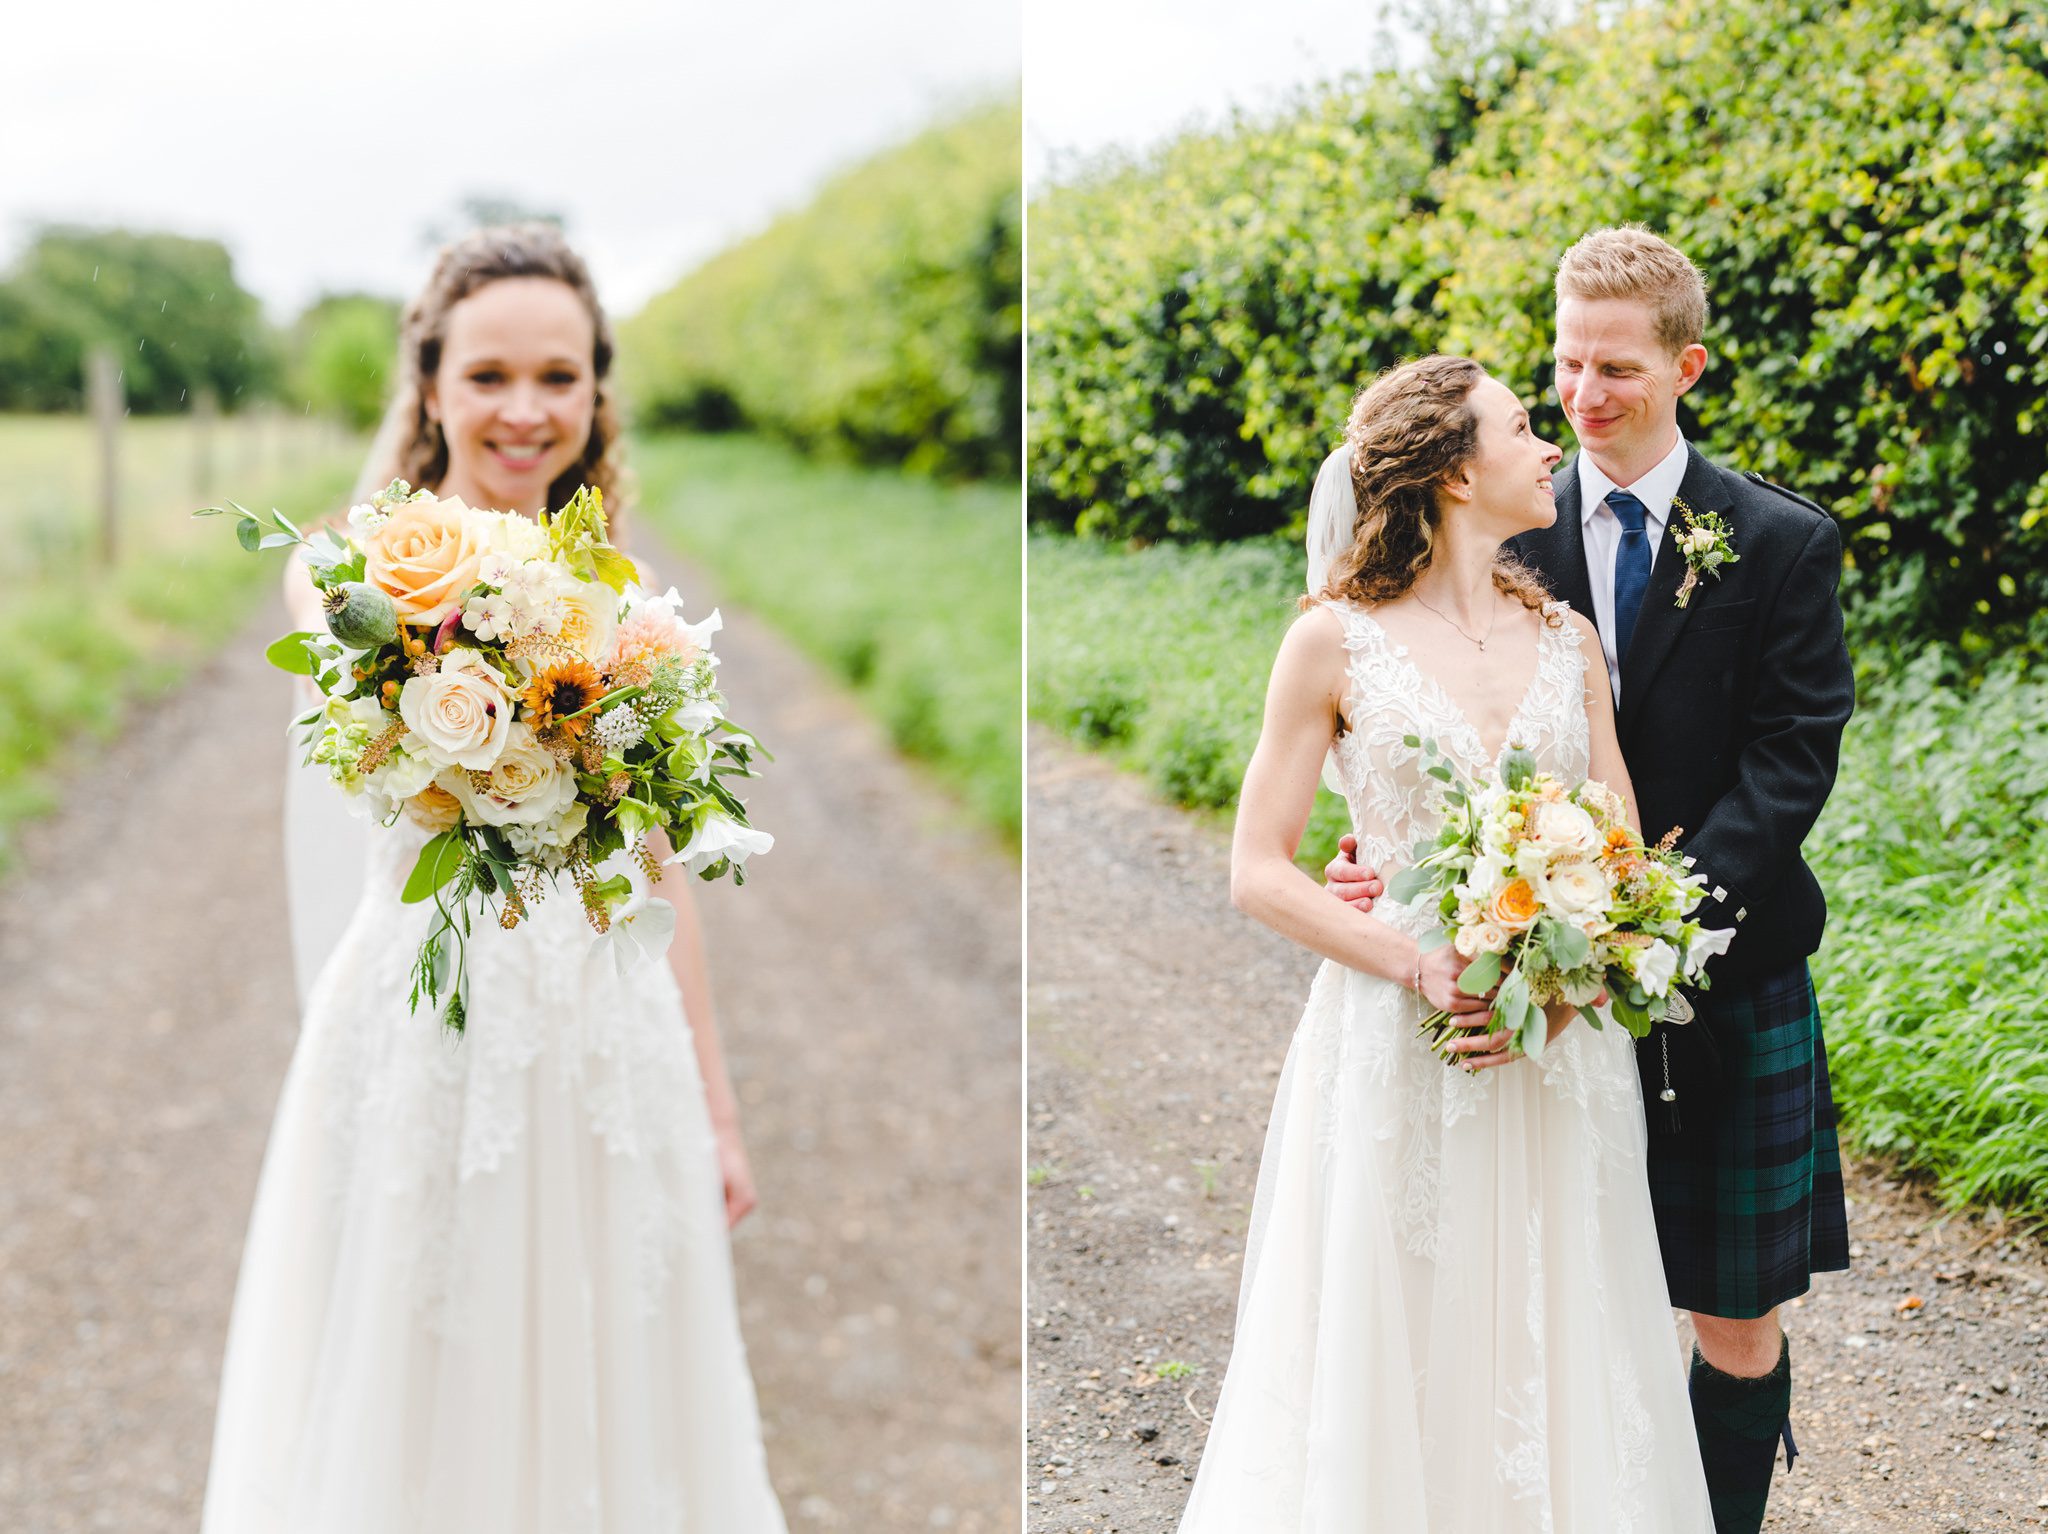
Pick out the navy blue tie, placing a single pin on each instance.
(1631, 567)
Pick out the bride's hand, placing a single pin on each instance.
(1481, 1050)
(738, 1175)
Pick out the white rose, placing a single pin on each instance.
(459, 713)
(1655, 966)
(720, 836)
(1563, 828)
(527, 783)
(1492, 937)
(1577, 889)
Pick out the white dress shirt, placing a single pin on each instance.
(1656, 491)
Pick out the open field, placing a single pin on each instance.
(905, 589)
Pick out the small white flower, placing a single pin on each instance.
(720, 836)
(1705, 946)
(365, 519)
(1655, 967)
(488, 617)
(640, 930)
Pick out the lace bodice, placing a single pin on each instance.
(1389, 697)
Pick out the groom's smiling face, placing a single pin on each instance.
(1619, 383)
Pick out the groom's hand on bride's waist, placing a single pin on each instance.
(1350, 881)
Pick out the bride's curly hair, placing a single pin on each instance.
(1410, 430)
(462, 267)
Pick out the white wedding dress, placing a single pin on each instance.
(1453, 1318)
(487, 1287)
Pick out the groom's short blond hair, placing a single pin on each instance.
(1630, 262)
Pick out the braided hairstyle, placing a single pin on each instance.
(1411, 429)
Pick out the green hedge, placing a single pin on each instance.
(1933, 849)
(905, 589)
(1862, 184)
(882, 322)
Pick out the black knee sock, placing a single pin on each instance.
(1739, 1422)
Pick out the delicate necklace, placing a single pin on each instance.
(1454, 623)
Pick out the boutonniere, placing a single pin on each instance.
(1707, 543)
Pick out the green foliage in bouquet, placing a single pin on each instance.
(1862, 185)
(882, 322)
(645, 743)
(1557, 910)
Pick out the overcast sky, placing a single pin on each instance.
(319, 141)
(1129, 73)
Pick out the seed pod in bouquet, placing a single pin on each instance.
(1517, 767)
(360, 616)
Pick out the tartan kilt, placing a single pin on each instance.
(1748, 1191)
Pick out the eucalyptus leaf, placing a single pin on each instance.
(1481, 975)
(1407, 884)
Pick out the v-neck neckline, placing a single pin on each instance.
(1400, 652)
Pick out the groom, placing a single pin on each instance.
(1730, 708)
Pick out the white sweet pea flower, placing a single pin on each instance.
(1705, 946)
(720, 836)
(365, 519)
(641, 930)
(1656, 966)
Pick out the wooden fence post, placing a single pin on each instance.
(103, 388)
(205, 418)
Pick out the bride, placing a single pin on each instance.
(487, 1284)
(1452, 1315)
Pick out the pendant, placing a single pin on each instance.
(1667, 1096)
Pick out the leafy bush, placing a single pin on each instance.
(1861, 183)
(343, 348)
(168, 307)
(882, 322)
(1933, 849)
(904, 589)
(1161, 658)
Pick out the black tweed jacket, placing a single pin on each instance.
(1732, 708)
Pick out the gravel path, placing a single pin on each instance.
(868, 982)
(1158, 1019)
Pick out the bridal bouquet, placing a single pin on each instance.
(504, 682)
(1551, 896)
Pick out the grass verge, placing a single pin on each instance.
(905, 590)
(1933, 848)
(84, 644)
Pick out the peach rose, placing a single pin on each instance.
(1513, 906)
(425, 557)
(434, 808)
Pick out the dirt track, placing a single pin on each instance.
(868, 981)
(1158, 1019)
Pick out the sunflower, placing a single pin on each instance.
(558, 690)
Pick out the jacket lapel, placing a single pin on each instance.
(1661, 619)
(1568, 539)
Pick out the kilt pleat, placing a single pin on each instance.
(1749, 1201)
